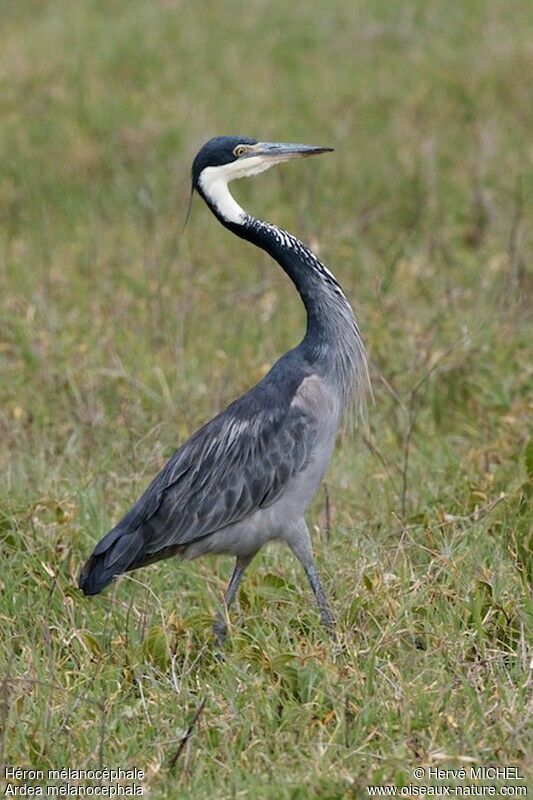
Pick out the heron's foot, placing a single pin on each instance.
(220, 629)
(329, 623)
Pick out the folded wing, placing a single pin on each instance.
(240, 462)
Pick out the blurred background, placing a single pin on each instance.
(120, 334)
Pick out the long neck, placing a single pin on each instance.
(329, 314)
(332, 341)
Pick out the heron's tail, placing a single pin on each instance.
(118, 552)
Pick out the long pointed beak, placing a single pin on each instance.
(284, 152)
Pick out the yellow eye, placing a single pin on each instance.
(240, 150)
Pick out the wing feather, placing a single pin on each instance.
(232, 467)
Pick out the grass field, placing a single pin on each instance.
(119, 336)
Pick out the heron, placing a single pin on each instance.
(248, 476)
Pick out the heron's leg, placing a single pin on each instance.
(299, 541)
(220, 627)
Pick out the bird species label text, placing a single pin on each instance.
(68, 782)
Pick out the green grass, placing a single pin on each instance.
(119, 336)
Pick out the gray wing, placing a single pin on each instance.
(240, 462)
(231, 468)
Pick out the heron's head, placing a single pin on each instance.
(226, 158)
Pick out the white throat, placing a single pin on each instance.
(214, 184)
